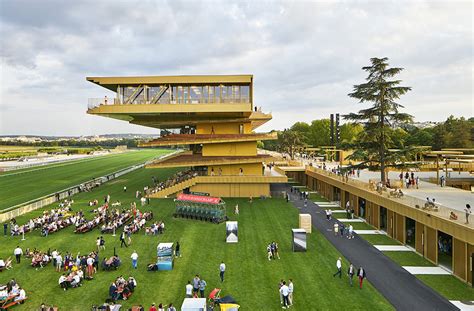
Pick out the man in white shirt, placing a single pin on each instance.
(62, 282)
(18, 252)
(21, 295)
(222, 271)
(284, 291)
(134, 259)
(189, 290)
(339, 267)
(290, 292)
(2, 264)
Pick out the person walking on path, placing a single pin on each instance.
(102, 243)
(342, 230)
(5, 229)
(336, 228)
(339, 267)
(468, 212)
(350, 273)
(284, 293)
(351, 232)
(122, 240)
(361, 275)
(290, 292)
(18, 252)
(134, 257)
(222, 271)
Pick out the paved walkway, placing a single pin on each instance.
(403, 290)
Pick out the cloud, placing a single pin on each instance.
(305, 56)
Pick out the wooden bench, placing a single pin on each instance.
(12, 302)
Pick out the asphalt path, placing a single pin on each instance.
(402, 289)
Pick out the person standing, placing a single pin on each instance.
(236, 211)
(134, 257)
(284, 293)
(196, 281)
(18, 252)
(122, 240)
(202, 287)
(177, 250)
(124, 188)
(468, 212)
(102, 243)
(290, 292)
(350, 273)
(339, 267)
(222, 271)
(5, 228)
(361, 275)
(336, 228)
(189, 290)
(97, 243)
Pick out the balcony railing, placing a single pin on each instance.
(96, 102)
(441, 210)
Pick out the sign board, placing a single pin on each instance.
(232, 231)
(198, 198)
(305, 222)
(299, 240)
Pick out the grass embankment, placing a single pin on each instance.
(250, 278)
(19, 187)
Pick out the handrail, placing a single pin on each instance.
(442, 210)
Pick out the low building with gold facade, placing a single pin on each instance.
(212, 116)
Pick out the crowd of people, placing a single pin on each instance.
(171, 181)
(139, 221)
(351, 271)
(122, 289)
(11, 293)
(49, 222)
(115, 219)
(272, 251)
(157, 227)
(72, 279)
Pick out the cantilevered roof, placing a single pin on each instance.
(111, 83)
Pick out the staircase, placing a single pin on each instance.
(175, 188)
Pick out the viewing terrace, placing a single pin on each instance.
(185, 159)
(186, 139)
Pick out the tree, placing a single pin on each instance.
(378, 119)
(350, 131)
(304, 129)
(289, 141)
(319, 133)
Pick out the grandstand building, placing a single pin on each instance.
(212, 116)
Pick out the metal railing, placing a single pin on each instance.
(96, 102)
(439, 210)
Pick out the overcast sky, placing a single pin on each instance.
(305, 56)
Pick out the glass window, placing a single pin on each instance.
(205, 94)
(245, 93)
(180, 95)
(195, 94)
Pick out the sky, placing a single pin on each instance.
(305, 56)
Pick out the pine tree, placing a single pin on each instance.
(378, 120)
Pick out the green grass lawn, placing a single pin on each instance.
(408, 259)
(359, 225)
(250, 278)
(316, 197)
(448, 286)
(379, 239)
(16, 188)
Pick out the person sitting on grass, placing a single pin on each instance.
(5, 264)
